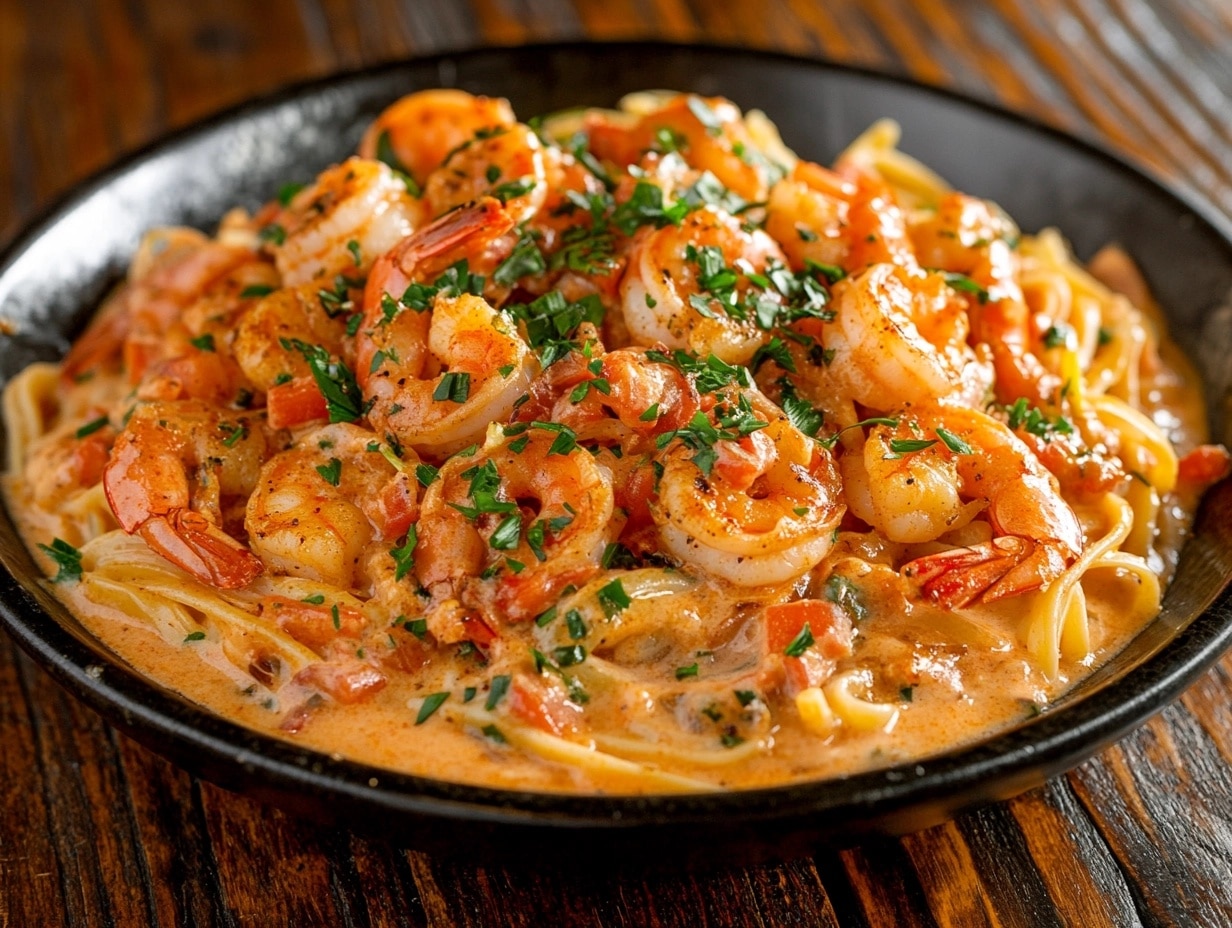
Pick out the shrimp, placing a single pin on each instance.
(353, 213)
(973, 237)
(436, 376)
(506, 162)
(318, 505)
(523, 502)
(901, 336)
(685, 285)
(307, 314)
(763, 514)
(172, 472)
(622, 392)
(173, 269)
(848, 222)
(968, 462)
(416, 133)
(709, 132)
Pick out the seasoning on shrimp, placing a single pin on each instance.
(628, 452)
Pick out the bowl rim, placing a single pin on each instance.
(991, 768)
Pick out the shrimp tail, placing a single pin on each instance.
(102, 342)
(483, 220)
(1006, 566)
(193, 543)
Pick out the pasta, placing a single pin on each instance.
(620, 451)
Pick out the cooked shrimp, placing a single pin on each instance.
(354, 213)
(973, 237)
(437, 375)
(764, 514)
(318, 505)
(421, 129)
(848, 222)
(939, 466)
(486, 366)
(608, 396)
(506, 163)
(685, 285)
(174, 269)
(518, 503)
(173, 471)
(902, 336)
(307, 314)
(709, 132)
(474, 234)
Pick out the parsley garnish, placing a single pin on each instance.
(203, 342)
(92, 426)
(255, 290)
(334, 379)
(524, 261)
(613, 598)
(331, 473)
(404, 556)
(505, 538)
(846, 595)
(801, 643)
(455, 387)
(67, 559)
(430, 705)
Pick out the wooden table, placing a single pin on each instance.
(97, 831)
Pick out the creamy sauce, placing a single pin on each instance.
(398, 610)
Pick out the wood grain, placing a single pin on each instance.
(95, 830)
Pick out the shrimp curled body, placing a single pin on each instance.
(171, 472)
(766, 512)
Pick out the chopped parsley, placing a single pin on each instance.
(92, 426)
(430, 705)
(334, 379)
(331, 473)
(66, 558)
(455, 387)
(404, 554)
(801, 643)
(613, 598)
(524, 261)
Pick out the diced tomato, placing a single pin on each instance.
(345, 683)
(314, 625)
(398, 507)
(542, 705)
(409, 655)
(634, 496)
(524, 596)
(295, 402)
(478, 632)
(830, 628)
(1205, 465)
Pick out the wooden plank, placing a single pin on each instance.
(181, 873)
(257, 847)
(31, 888)
(1071, 858)
(1160, 800)
(100, 866)
(887, 886)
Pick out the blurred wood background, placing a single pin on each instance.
(97, 831)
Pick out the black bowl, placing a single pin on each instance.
(55, 273)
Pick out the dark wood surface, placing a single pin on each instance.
(95, 830)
